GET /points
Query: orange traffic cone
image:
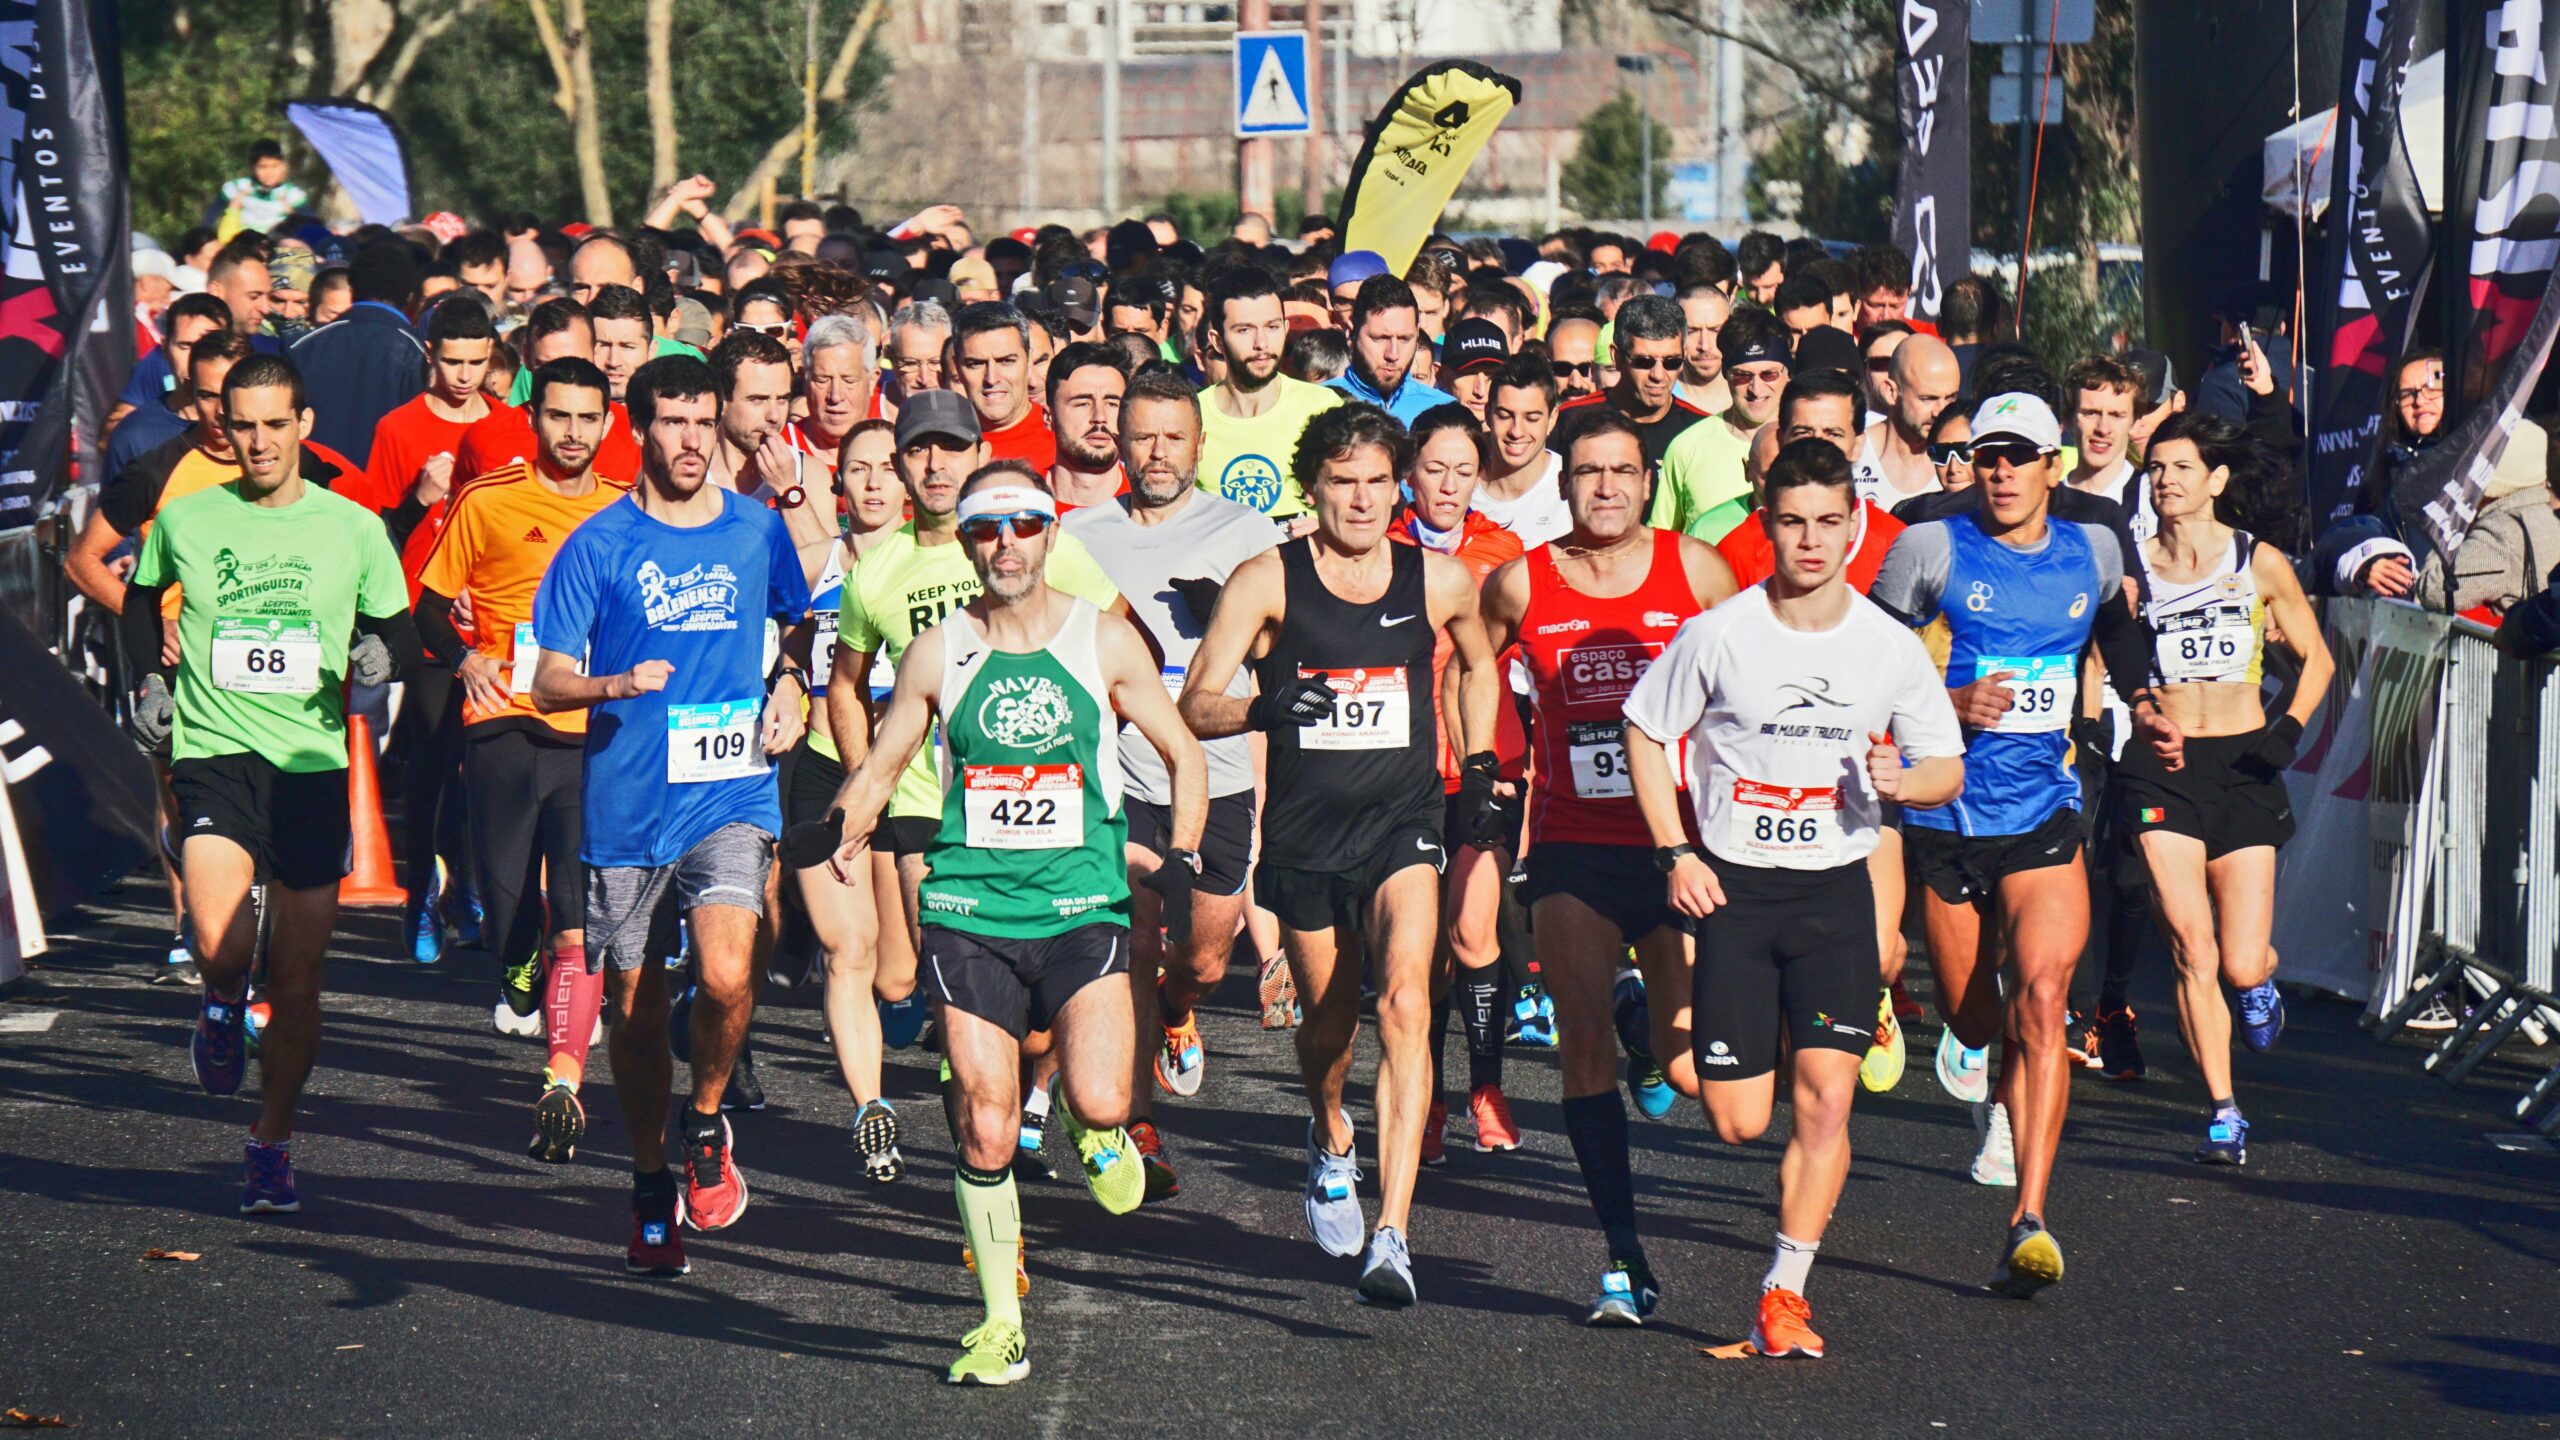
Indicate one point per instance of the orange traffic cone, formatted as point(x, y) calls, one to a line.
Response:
point(374, 880)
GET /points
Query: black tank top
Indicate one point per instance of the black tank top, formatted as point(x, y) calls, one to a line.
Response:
point(1340, 789)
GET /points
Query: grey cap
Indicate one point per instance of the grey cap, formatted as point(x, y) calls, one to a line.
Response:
point(693, 323)
point(945, 413)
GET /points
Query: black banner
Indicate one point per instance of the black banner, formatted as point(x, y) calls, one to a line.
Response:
point(86, 804)
point(1933, 205)
point(66, 284)
point(2502, 223)
point(2380, 247)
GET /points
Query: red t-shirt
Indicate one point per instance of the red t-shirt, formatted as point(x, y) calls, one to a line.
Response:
point(1746, 549)
point(402, 441)
point(505, 436)
point(1585, 654)
point(1483, 547)
point(1027, 439)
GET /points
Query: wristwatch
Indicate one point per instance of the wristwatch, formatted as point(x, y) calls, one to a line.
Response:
point(1666, 858)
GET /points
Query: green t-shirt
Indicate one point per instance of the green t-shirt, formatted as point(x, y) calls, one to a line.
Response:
point(903, 589)
point(270, 601)
point(1248, 461)
point(1703, 472)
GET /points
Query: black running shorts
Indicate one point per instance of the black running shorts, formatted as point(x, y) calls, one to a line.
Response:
point(294, 824)
point(1339, 899)
point(1618, 882)
point(1964, 868)
point(1226, 841)
point(1789, 952)
point(2218, 798)
point(1020, 985)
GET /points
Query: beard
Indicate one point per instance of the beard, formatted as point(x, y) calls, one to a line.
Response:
point(1071, 449)
point(1010, 589)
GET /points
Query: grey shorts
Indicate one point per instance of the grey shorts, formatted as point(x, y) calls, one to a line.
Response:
point(631, 909)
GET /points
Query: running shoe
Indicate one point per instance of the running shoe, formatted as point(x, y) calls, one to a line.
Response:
point(1112, 1170)
point(1435, 1134)
point(1785, 1326)
point(467, 919)
point(2226, 1141)
point(1629, 1012)
point(2261, 1016)
point(559, 1123)
point(744, 1091)
point(426, 930)
point(1333, 1198)
point(2031, 1262)
point(1027, 1158)
point(1628, 1293)
point(1881, 1068)
point(1386, 1277)
point(715, 1194)
point(901, 1021)
point(181, 969)
point(218, 1047)
point(2080, 1040)
point(1905, 1009)
point(875, 1134)
point(992, 1354)
point(1279, 994)
point(270, 1185)
point(1494, 1130)
point(1533, 1019)
point(1180, 1062)
point(1963, 1070)
point(2439, 1015)
point(1021, 1272)
point(656, 1248)
point(520, 986)
point(680, 1026)
point(253, 1020)
point(2120, 1045)
point(1996, 1163)
point(1652, 1088)
point(1162, 1184)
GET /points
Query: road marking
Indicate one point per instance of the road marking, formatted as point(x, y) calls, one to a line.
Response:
point(28, 1022)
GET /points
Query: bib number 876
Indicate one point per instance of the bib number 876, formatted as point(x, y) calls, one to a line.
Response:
point(1781, 830)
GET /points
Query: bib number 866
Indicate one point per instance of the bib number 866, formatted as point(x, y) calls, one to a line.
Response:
point(1783, 830)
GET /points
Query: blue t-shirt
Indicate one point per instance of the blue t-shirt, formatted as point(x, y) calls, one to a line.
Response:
point(150, 426)
point(151, 379)
point(2025, 613)
point(1407, 405)
point(665, 770)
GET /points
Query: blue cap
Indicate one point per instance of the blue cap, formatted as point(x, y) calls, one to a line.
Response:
point(1354, 266)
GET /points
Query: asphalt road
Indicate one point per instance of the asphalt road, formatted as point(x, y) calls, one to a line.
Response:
point(2381, 1266)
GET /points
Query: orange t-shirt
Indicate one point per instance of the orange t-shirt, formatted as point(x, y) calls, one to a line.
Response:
point(1027, 439)
point(1483, 547)
point(499, 535)
point(1746, 549)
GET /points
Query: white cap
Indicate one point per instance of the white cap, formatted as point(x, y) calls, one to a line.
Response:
point(1542, 274)
point(188, 279)
point(155, 264)
point(2018, 417)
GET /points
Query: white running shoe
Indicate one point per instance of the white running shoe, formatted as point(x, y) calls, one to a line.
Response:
point(1996, 1164)
point(511, 1023)
point(1963, 1070)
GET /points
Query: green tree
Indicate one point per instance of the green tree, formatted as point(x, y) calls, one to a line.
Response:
point(1828, 198)
point(197, 95)
point(1605, 176)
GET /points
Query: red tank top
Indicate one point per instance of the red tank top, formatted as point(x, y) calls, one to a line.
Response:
point(1584, 655)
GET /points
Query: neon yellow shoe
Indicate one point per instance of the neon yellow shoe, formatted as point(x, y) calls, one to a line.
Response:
point(1881, 1069)
point(1112, 1167)
point(992, 1354)
point(2032, 1262)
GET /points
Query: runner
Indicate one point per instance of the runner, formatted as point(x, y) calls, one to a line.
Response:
point(839, 385)
point(1385, 325)
point(1646, 343)
point(1591, 611)
point(1352, 839)
point(756, 456)
point(519, 765)
point(1029, 889)
point(1701, 489)
point(2023, 594)
point(1892, 463)
point(1171, 549)
point(1799, 703)
point(663, 598)
point(279, 578)
point(991, 364)
point(1086, 391)
point(2209, 813)
point(1704, 309)
point(1253, 416)
point(1520, 490)
point(2103, 392)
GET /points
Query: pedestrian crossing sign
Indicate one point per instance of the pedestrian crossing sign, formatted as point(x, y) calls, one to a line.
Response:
point(1271, 83)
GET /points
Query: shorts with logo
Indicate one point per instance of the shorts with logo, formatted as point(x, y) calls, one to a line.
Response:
point(631, 909)
point(1507, 810)
point(1226, 841)
point(1789, 952)
point(2220, 797)
point(1020, 984)
point(1966, 868)
point(1618, 882)
point(1321, 899)
point(293, 824)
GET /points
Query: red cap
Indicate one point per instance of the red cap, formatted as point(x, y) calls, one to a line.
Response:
point(1664, 241)
point(1025, 233)
point(576, 229)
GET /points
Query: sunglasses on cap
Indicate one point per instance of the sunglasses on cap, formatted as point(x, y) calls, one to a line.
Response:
point(777, 329)
point(983, 529)
point(1567, 369)
point(1951, 452)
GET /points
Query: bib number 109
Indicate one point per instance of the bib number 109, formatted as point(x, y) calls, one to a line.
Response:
point(713, 742)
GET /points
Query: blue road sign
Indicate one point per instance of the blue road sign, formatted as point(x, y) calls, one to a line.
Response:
point(1271, 83)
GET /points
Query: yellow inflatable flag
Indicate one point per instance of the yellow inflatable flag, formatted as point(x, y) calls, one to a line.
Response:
point(1417, 151)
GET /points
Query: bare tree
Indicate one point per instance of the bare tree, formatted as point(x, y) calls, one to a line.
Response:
point(831, 99)
point(662, 96)
point(565, 44)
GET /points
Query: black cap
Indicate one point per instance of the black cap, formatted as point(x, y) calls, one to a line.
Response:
point(1473, 343)
point(1075, 296)
point(943, 413)
point(883, 265)
point(1826, 348)
point(936, 289)
point(1758, 345)
point(2159, 377)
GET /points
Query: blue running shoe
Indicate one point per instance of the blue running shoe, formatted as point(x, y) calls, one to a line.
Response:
point(1633, 1016)
point(468, 919)
point(220, 1047)
point(270, 1187)
point(1533, 1019)
point(680, 1027)
point(1386, 1277)
point(2226, 1141)
point(426, 931)
point(1628, 1294)
point(902, 1021)
point(1650, 1086)
point(2261, 1016)
point(1333, 1203)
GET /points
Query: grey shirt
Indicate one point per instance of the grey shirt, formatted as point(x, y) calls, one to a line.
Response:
point(1913, 579)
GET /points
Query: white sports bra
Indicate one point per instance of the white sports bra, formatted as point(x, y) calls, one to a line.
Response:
point(2212, 631)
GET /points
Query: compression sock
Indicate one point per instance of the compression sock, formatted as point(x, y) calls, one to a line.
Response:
point(991, 1216)
point(2226, 1108)
point(1597, 1125)
point(569, 1011)
point(1792, 1263)
point(1478, 994)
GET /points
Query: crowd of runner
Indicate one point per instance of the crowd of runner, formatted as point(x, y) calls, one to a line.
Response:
point(1605, 641)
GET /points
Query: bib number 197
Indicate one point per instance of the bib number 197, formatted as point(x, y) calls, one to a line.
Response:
point(1372, 710)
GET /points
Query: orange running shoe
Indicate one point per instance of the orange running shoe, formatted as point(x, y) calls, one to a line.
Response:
point(1278, 993)
point(1435, 1121)
point(1494, 1130)
point(1161, 1184)
point(1786, 1326)
point(1021, 1272)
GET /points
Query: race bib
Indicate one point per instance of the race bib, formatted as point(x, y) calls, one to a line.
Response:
point(1786, 825)
point(822, 650)
point(1174, 675)
point(520, 677)
point(716, 741)
point(1597, 752)
point(266, 654)
point(1373, 710)
point(2042, 687)
point(1023, 807)
point(2202, 645)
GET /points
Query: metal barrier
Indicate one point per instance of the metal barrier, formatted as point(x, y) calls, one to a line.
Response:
point(2487, 909)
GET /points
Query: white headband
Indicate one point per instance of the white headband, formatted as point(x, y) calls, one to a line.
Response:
point(1004, 500)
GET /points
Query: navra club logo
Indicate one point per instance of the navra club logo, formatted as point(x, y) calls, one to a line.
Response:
point(1026, 712)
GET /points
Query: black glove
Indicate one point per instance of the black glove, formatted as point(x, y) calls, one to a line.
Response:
point(154, 712)
point(2275, 747)
point(1479, 814)
point(2096, 735)
point(1200, 594)
point(1296, 702)
point(1173, 880)
point(811, 841)
point(369, 661)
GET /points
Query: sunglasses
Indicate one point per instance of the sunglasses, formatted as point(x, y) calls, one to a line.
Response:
point(1953, 452)
point(1879, 364)
point(2015, 454)
point(1647, 364)
point(983, 529)
point(1566, 369)
point(777, 329)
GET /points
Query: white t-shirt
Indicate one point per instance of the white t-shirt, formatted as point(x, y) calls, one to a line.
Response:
point(1206, 539)
point(2123, 484)
point(1777, 722)
point(1538, 514)
point(1876, 487)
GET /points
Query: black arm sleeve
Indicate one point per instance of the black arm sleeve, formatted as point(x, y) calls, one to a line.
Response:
point(2124, 646)
point(399, 632)
point(403, 518)
point(435, 628)
point(140, 627)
